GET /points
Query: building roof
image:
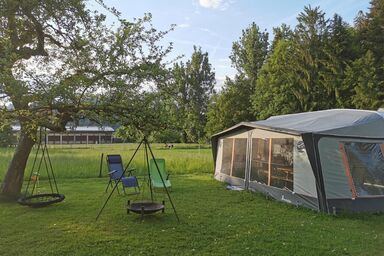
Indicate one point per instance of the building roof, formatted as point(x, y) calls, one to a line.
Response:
point(90, 129)
point(342, 122)
point(79, 128)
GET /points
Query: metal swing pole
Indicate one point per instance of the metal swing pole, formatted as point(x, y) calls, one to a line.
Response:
point(118, 181)
point(147, 160)
point(162, 180)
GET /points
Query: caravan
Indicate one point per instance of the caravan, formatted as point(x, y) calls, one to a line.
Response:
point(331, 160)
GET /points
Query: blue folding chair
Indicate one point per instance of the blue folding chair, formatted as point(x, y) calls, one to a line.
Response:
point(116, 171)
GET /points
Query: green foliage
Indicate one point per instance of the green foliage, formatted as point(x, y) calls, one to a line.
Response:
point(128, 134)
point(217, 117)
point(60, 62)
point(192, 86)
point(366, 74)
point(339, 52)
point(308, 38)
point(248, 54)
point(274, 92)
point(233, 104)
point(7, 136)
point(167, 136)
point(84, 67)
point(370, 32)
point(368, 88)
point(322, 64)
point(230, 106)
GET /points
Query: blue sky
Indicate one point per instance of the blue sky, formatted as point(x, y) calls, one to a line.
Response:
point(216, 24)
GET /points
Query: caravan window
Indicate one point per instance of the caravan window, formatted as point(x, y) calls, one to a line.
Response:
point(282, 163)
point(239, 158)
point(365, 162)
point(272, 162)
point(259, 161)
point(227, 156)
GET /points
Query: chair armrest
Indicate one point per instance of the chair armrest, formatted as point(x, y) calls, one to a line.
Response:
point(112, 172)
point(168, 176)
point(130, 171)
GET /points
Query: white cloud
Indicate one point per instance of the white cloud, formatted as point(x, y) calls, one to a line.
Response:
point(216, 4)
point(184, 25)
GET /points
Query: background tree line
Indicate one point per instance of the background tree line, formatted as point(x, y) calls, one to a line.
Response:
point(319, 64)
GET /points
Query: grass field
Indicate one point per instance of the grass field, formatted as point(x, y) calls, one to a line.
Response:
point(213, 220)
point(81, 161)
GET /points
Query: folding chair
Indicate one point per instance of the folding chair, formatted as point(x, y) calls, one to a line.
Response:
point(116, 171)
point(155, 176)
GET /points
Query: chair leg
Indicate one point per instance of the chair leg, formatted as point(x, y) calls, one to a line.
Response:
point(117, 188)
point(109, 183)
point(124, 190)
point(142, 213)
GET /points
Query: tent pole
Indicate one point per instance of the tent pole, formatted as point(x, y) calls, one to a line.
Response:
point(269, 162)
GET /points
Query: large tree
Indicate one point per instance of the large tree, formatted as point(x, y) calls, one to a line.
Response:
point(193, 84)
point(234, 101)
point(230, 106)
point(275, 94)
point(249, 52)
point(59, 62)
point(339, 51)
point(362, 77)
point(366, 74)
point(309, 37)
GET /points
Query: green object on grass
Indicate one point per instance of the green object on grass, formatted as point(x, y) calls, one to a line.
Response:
point(155, 174)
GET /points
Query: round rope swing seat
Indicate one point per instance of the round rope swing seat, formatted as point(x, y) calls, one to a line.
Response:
point(145, 207)
point(36, 194)
point(41, 200)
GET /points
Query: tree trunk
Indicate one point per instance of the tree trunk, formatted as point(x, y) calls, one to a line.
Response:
point(13, 181)
point(184, 136)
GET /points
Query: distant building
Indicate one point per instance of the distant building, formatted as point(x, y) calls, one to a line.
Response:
point(79, 135)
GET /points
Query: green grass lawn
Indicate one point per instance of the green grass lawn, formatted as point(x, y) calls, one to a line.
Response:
point(213, 220)
point(82, 161)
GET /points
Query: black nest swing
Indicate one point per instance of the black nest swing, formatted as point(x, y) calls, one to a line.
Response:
point(32, 197)
point(143, 206)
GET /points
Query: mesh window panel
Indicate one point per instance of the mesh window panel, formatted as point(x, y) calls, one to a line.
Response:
point(366, 163)
point(239, 158)
point(282, 163)
point(259, 161)
point(227, 156)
